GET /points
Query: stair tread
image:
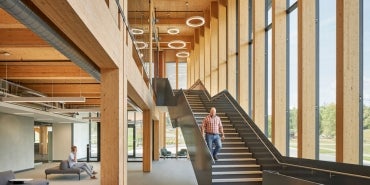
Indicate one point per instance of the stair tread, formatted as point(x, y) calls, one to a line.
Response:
point(238, 180)
point(235, 165)
point(237, 159)
point(241, 147)
point(238, 153)
point(236, 172)
point(233, 142)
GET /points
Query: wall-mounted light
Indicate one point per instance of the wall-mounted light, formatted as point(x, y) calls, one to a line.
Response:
point(195, 21)
point(173, 31)
point(182, 54)
point(177, 44)
point(137, 31)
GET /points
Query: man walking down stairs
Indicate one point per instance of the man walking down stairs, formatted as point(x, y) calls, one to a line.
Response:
point(235, 164)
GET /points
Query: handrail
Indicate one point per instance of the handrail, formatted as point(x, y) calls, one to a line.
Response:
point(226, 94)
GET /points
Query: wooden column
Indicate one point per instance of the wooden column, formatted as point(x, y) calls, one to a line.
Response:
point(243, 55)
point(214, 47)
point(201, 54)
point(259, 64)
point(347, 109)
point(192, 65)
point(231, 47)
point(156, 136)
point(222, 46)
point(306, 80)
point(43, 147)
point(161, 68)
point(279, 76)
point(113, 129)
point(196, 54)
point(207, 52)
point(147, 141)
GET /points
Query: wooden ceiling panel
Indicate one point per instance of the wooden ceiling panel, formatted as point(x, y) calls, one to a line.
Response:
point(31, 54)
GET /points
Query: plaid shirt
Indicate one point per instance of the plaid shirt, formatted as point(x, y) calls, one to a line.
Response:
point(212, 125)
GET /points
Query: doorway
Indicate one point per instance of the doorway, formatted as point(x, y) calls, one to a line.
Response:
point(131, 133)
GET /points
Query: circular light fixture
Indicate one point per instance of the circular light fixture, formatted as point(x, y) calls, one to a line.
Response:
point(177, 44)
point(182, 54)
point(195, 21)
point(173, 31)
point(137, 31)
point(141, 44)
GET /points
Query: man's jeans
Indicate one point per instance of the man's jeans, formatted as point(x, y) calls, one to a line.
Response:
point(213, 138)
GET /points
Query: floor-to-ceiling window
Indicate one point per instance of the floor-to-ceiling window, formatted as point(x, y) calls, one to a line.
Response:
point(327, 79)
point(292, 77)
point(171, 137)
point(183, 65)
point(171, 73)
point(366, 81)
point(269, 67)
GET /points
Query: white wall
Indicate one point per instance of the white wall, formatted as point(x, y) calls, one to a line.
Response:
point(81, 138)
point(16, 142)
point(62, 141)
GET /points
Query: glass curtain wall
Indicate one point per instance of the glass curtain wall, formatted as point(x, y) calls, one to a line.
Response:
point(327, 80)
point(366, 81)
point(183, 65)
point(269, 68)
point(171, 73)
point(292, 79)
point(182, 83)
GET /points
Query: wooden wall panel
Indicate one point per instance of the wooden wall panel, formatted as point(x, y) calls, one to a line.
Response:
point(214, 47)
point(347, 109)
point(306, 80)
point(201, 54)
point(222, 47)
point(231, 47)
point(243, 54)
point(196, 51)
point(207, 58)
point(259, 64)
point(279, 76)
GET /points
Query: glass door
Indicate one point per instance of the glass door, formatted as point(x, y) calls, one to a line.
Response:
point(131, 134)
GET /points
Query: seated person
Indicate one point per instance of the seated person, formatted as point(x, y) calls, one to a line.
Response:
point(72, 160)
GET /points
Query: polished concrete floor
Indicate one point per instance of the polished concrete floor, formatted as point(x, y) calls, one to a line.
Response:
point(164, 172)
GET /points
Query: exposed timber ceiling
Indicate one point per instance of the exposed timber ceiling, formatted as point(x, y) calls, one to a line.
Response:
point(28, 60)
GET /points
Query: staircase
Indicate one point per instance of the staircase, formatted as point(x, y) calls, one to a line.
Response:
point(235, 164)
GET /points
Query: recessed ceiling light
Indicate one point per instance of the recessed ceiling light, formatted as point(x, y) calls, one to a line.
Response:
point(173, 31)
point(137, 31)
point(182, 54)
point(195, 21)
point(177, 44)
